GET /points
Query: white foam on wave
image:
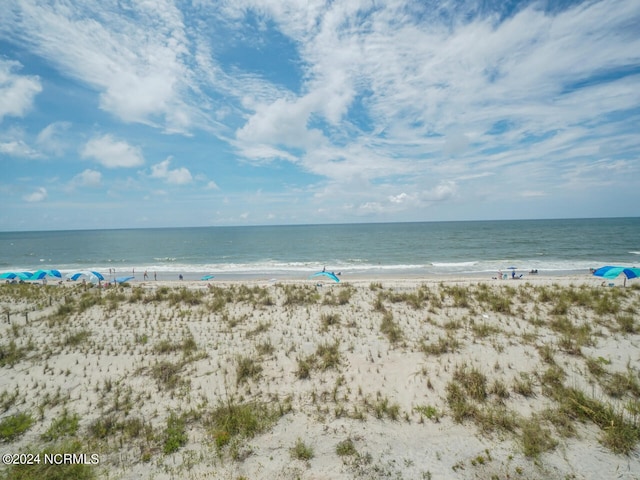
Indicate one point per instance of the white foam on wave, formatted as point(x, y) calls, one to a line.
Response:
point(453, 264)
point(353, 266)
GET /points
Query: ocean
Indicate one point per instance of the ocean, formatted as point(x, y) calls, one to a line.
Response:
point(412, 249)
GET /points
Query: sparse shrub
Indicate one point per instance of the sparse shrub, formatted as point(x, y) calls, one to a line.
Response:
point(15, 426)
point(75, 339)
point(11, 354)
point(457, 401)
point(328, 320)
point(390, 328)
point(260, 328)
point(328, 355)
point(247, 368)
point(305, 367)
point(523, 385)
point(65, 426)
point(167, 374)
point(7, 400)
point(595, 366)
point(175, 434)
point(472, 380)
point(535, 438)
point(241, 420)
point(105, 426)
point(428, 411)
point(301, 451)
point(300, 295)
point(265, 348)
point(627, 323)
point(448, 344)
point(383, 407)
point(346, 448)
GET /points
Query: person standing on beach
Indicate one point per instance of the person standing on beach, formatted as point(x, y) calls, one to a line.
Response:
point(155, 276)
point(145, 275)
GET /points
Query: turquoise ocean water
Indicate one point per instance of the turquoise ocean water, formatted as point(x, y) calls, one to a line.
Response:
point(430, 248)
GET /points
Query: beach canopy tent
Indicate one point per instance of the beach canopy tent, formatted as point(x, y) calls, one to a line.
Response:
point(19, 275)
point(207, 277)
point(89, 273)
point(123, 279)
point(330, 275)
point(613, 272)
point(40, 274)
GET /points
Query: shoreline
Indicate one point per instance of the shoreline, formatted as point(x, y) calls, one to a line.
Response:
point(194, 279)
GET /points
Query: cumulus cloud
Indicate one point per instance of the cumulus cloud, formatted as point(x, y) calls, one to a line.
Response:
point(112, 153)
point(50, 138)
point(177, 176)
point(36, 196)
point(17, 92)
point(87, 178)
point(18, 148)
point(441, 192)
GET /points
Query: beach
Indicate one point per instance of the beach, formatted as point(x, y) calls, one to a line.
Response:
point(379, 377)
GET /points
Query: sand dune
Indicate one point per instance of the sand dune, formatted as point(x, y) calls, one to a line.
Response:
point(375, 378)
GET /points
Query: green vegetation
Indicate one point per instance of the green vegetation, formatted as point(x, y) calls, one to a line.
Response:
point(63, 471)
point(65, 426)
point(121, 343)
point(15, 426)
point(233, 420)
point(301, 451)
point(247, 368)
point(11, 354)
point(390, 328)
point(175, 435)
point(346, 448)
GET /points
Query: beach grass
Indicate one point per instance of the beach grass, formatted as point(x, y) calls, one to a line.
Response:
point(163, 376)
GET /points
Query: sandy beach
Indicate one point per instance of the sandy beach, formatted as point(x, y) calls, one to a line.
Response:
point(411, 378)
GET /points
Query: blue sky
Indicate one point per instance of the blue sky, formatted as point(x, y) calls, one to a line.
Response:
point(118, 113)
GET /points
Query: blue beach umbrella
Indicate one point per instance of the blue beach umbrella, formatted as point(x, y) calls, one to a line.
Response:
point(89, 273)
point(40, 274)
point(20, 275)
point(331, 275)
point(613, 272)
point(54, 273)
point(207, 277)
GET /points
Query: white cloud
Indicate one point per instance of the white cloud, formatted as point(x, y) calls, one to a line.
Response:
point(384, 107)
point(49, 139)
point(18, 148)
point(135, 60)
point(177, 176)
point(37, 196)
point(211, 185)
point(112, 153)
point(87, 178)
point(400, 198)
point(17, 92)
point(441, 192)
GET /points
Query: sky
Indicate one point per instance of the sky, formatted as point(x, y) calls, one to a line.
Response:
point(172, 113)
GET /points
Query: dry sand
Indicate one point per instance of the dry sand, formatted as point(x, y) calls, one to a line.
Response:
point(385, 378)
